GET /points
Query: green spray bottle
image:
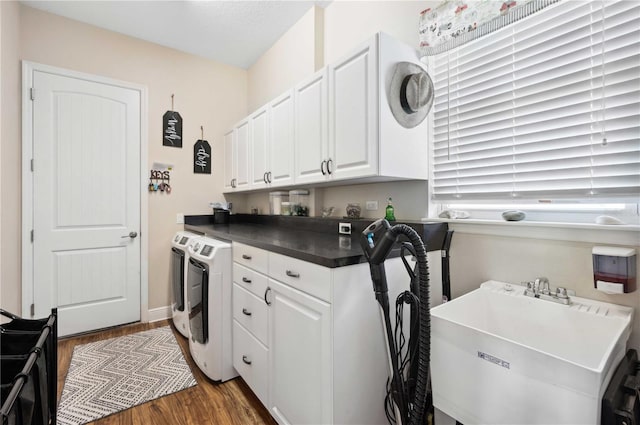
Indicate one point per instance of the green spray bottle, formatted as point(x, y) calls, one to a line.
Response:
point(389, 213)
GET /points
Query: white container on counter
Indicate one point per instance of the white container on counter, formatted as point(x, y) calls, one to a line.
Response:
point(275, 202)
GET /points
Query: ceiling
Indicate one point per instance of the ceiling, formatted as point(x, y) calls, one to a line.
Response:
point(235, 32)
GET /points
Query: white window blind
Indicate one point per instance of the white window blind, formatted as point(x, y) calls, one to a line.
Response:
point(548, 107)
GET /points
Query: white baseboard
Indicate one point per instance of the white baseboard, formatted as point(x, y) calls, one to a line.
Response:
point(160, 313)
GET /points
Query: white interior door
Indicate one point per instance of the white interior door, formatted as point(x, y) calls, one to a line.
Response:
point(86, 202)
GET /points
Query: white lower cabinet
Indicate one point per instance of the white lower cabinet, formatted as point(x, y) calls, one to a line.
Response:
point(323, 360)
point(300, 356)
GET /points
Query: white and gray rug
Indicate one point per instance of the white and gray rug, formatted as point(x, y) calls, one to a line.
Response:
point(109, 376)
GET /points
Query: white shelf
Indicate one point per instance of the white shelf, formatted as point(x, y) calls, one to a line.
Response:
point(625, 234)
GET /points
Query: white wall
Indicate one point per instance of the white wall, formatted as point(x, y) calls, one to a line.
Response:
point(207, 93)
point(278, 69)
point(10, 143)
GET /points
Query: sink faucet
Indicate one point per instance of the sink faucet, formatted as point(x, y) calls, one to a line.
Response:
point(543, 285)
point(540, 288)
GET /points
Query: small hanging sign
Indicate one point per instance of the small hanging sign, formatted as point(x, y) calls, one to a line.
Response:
point(172, 128)
point(202, 156)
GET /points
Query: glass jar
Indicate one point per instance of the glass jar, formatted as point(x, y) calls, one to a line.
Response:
point(275, 202)
point(299, 200)
point(285, 208)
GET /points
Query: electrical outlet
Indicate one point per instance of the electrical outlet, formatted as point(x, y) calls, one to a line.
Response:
point(372, 205)
point(344, 228)
point(179, 218)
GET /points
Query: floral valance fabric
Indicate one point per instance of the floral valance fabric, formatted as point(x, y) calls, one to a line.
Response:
point(455, 22)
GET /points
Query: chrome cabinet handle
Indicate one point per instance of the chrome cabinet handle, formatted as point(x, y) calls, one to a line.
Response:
point(246, 257)
point(265, 295)
point(322, 164)
point(131, 235)
point(264, 177)
point(246, 280)
point(329, 170)
point(246, 312)
point(246, 360)
point(269, 175)
point(292, 274)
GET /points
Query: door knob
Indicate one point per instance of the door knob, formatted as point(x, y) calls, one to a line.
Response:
point(131, 235)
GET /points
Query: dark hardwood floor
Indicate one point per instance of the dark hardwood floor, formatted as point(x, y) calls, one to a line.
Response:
point(209, 402)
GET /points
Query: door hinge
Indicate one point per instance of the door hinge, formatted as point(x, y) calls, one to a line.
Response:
point(33, 310)
point(32, 165)
point(32, 93)
point(32, 235)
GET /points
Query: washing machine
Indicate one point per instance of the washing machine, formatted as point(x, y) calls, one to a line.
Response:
point(209, 284)
point(179, 263)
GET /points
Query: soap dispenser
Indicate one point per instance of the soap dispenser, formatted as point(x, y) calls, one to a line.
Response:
point(389, 213)
point(614, 269)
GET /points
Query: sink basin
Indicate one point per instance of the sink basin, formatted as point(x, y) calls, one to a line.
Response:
point(500, 357)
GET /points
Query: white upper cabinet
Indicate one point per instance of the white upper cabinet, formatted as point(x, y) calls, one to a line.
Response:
point(230, 160)
point(311, 129)
point(337, 125)
point(259, 148)
point(282, 149)
point(236, 158)
point(242, 149)
point(271, 144)
point(353, 114)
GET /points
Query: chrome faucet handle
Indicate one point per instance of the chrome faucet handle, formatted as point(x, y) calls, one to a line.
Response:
point(543, 285)
point(561, 292)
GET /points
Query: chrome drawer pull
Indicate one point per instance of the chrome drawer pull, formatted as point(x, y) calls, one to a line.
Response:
point(246, 360)
point(265, 295)
point(292, 274)
point(246, 312)
point(246, 280)
point(246, 257)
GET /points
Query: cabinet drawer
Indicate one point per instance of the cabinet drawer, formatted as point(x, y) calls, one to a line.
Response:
point(250, 280)
point(251, 312)
point(250, 358)
point(252, 257)
point(307, 277)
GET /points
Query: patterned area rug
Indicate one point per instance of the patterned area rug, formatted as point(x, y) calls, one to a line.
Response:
point(109, 376)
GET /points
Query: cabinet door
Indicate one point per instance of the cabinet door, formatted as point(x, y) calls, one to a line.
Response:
point(259, 147)
point(311, 129)
point(230, 158)
point(282, 147)
point(299, 357)
point(242, 161)
point(353, 114)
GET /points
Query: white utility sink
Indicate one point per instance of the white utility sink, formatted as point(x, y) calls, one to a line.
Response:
point(500, 357)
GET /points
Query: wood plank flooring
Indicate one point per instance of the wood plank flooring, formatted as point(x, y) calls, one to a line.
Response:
point(209, 402)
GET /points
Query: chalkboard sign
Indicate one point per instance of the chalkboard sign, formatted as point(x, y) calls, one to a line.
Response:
point(172, 129)
point(202, 157)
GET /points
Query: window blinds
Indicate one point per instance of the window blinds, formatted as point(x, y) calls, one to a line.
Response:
point(548, 107)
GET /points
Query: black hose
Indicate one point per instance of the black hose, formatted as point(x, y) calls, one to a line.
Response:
point(416, 414)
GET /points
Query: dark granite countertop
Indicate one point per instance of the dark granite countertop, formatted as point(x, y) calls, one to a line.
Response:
point(309, 239)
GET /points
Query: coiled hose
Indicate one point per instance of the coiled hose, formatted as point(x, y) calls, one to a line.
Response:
point(416, 414)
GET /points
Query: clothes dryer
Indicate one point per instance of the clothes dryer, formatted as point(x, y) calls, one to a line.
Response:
point(209, 284)
point(179, 263)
